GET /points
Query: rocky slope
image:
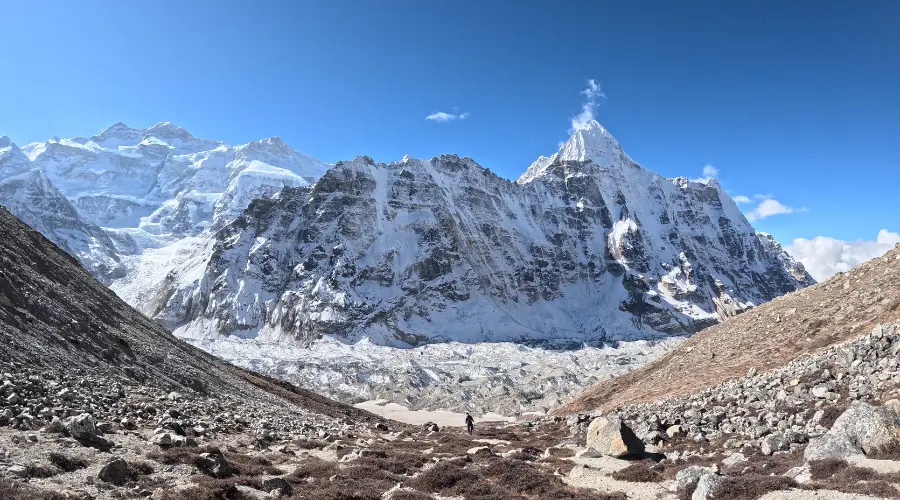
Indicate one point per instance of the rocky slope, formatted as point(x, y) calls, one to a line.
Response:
point(587, 245)
point(55, 318)
point(765, 338)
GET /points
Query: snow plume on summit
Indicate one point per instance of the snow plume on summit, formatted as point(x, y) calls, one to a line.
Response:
point(592, 97)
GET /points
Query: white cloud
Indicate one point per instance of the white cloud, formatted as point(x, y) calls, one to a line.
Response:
point(742, 200)
point(709, 172)
point(767, 207)
point(824, 257)
point(593, 94)
point(442, 117)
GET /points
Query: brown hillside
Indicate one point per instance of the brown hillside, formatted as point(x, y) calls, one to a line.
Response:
point(764, 338)
point(56, 316)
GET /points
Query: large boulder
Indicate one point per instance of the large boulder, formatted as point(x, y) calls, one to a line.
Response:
point(686, 479)
point(707, 487)
point(609, 435)
point(860, 429)
point(83, 427)
point(115, 472)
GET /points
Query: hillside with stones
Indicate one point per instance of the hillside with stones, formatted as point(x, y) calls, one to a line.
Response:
point(762, 339)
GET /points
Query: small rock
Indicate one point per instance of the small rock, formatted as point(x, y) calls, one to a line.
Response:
point(772, 443)
point(17, 471)
point(215, 465)
point(480, 452)
point(381, 426)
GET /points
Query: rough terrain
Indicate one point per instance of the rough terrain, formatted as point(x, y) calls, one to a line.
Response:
point(763, 338)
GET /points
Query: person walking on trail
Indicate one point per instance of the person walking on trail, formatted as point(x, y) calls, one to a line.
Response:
point(470, 423)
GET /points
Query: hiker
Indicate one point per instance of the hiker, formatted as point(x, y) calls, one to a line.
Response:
point(470, 422)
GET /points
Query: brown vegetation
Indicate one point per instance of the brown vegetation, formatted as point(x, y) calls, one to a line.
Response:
point(766, 337)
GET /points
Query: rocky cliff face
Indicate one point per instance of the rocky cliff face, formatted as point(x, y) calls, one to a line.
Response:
point(586, 245)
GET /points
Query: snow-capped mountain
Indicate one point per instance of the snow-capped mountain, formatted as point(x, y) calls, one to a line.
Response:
point(586, 245)
point(164, 180)
point(27, 192)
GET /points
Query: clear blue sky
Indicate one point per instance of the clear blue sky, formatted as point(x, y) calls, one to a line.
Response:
point(800, 100)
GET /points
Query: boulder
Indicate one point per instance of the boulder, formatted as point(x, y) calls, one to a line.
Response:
point(772, 443)
point(688, 477)
point(707, 486)
point(735, 459)
point(215, 465)
point(860, 429)
point(115, 472)
point(609, 435)
point(83, 427)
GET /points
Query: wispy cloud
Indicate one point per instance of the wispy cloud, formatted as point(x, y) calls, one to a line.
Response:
point(442, 117)
point(742, 200)
point(824, 257)
point(709, 172)
point(767, 207)
point(592, 97)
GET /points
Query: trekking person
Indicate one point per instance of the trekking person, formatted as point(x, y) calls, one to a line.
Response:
point(470, 423)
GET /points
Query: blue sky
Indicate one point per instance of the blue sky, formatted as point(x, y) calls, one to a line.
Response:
point(796, 100)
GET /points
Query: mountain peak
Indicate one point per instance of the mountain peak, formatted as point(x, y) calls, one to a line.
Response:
point(591, 142)
point(6, 142)
point(167, 129)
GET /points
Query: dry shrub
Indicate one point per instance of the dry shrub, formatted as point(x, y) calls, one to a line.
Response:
point(248, 465)
point(310, 444)
point(887, 452)
point(209, 488)
point(403, 462)
point(312, 467)
point(67, 463)
point(181, 455)
point(491, 432)
point(643, 471)
point(444, 476)
point(559, 452)
point(343, 487)
point(139, 468)
point(408, 494)
point(831, 413)
point(39, 470)
point(12, 490)
point(454, 444)
point(751, 486)
point(531, 481)
point(776, 464)
point(824, 469)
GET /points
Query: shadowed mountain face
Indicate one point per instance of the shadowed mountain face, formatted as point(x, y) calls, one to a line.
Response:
point(54, 316)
